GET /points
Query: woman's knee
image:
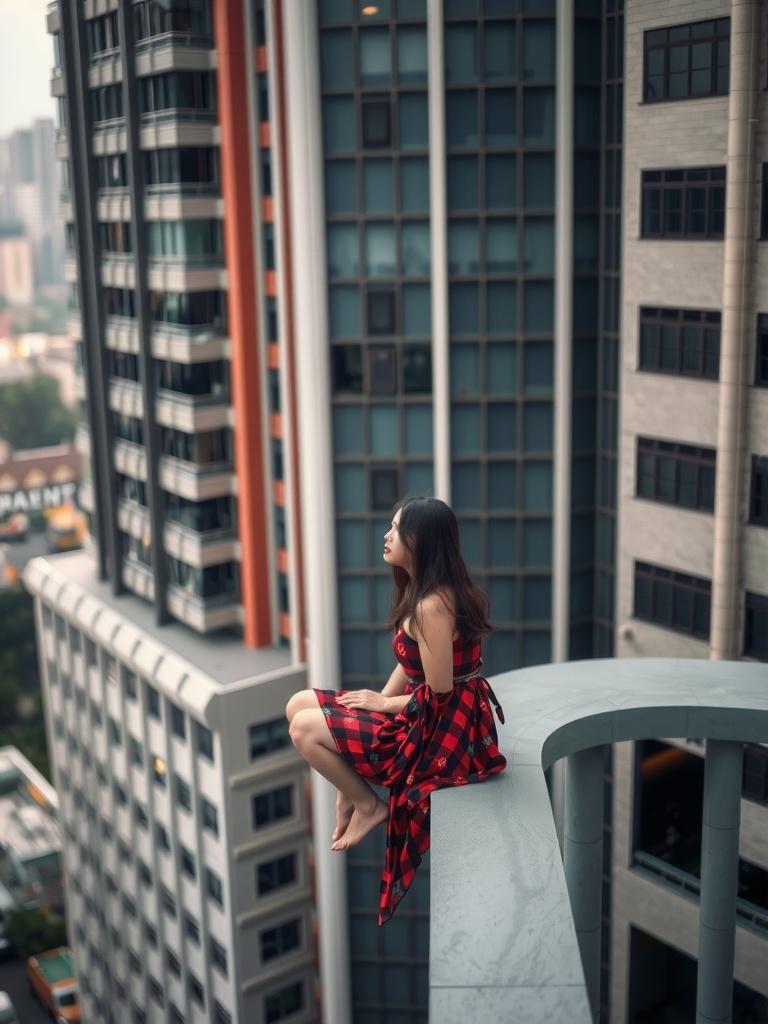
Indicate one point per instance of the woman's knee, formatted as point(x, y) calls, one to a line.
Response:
point(300, 700)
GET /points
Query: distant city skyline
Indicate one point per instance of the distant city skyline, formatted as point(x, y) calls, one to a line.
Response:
point(26, 59)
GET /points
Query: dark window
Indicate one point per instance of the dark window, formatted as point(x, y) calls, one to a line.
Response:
point(758, 500)
point(281, 939)
point(381, 311)
point(220, 1015)
point(187, 862)
point(678, 474)
point(161, 837)
point(687, 61)
point(683, 203)
point(417, 369)
point(348, 368)
point(210, 816)
point(195, 989)
point(156, 17)
point(178, 722)
point(168, 901)
point(685, 342)
point(153, 700)
point(761, 369)
point(377, 122)
point(178, 90)
point(204, 741)
point(106, 102)
point(284, 1002)
point(274, 874)
point(191, 928)
point(674, 600)
point(756, 626)
point(385, 487)
point(172, 962)
point(382, 371)
point(183, 792)
point(272, 806)
point(219, 956)
point(754, 785)
point(213, 887)
point(268, 736)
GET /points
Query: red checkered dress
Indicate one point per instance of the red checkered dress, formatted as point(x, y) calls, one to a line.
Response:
point(437, 740)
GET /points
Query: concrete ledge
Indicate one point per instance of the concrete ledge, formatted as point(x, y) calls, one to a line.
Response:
point(503, 945)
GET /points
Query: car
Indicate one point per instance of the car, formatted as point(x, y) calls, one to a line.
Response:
point(15, 527)
point(51, 978)
point(8, 1013)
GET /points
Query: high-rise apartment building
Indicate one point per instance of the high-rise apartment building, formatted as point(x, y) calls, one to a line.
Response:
point(324, 253)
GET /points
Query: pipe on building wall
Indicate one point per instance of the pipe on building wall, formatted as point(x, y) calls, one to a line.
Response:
point(737, 329)
point(307, 211)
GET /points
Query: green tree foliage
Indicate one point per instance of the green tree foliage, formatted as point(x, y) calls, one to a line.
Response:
point(33, 415)
point(33, 931)
point(19, 678)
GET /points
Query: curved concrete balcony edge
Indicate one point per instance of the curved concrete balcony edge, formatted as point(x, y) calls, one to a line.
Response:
point(503, 943)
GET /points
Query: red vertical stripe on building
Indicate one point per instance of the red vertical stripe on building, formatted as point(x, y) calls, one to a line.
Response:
point(232, 92)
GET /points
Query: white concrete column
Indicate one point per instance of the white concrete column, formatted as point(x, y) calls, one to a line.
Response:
point(737, 329)
point(561, 490)
point(441, 392)
point(307, 209)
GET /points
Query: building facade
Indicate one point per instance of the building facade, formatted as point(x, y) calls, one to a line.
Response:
point(323, 255)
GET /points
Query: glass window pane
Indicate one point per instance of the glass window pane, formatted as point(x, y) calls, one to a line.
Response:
point(502, 369)
point(465, 429)
point(347, 429)
point(350, 488)
point(466, 490)
point(537, 486)
point(500, 117)
point(539, 50)
point(465, 370)
point(419, 479)
point(539, 246)
point(502, 427)
point(375, 56)
point(336, 59)
point(353, 599)
point(537, 427)
point(502, 542)
point(539, 180)
point(412, 54)
point(415, 254)
point(414, 185)
point(344, 311)
point(463, 247)
point(339, 124)
point(461, 53)
point(538, 368)
point(462, 183)
point(414, 125)
point(501, 246)
point(536, 598)
point(500, 43)
point(417, 369)
point(380, 250)
point(335, 10)
point(418, 429)
point(539, 117)
point(343, 247)
point(378, 186)
point(501, 590)
point(539, 305)
point(502, 307)
point(340, 186)
point(461, 119)
point(502, 485)
point(417, 315)
point(464, 309)
point(471, 540)
point(355, 651)
point(384, 430)
point(350, 544)
point(500, 181)
point(585, 245)
point(586, 117)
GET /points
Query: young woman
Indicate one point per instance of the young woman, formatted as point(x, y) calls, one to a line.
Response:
point(432, 725)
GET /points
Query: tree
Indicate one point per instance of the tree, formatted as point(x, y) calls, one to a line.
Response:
point(35, 931)
point(32, 414)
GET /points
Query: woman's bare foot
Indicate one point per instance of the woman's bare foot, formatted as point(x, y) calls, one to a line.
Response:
point(361, 823)
point(344, 809)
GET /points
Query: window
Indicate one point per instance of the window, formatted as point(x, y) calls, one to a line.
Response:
point(685, 342)
point(159, 771)
point(187, 861)
point(161, 837)
point(377, 122)
point(273, 874)
point(191, 928)
point(137, 753)
point(683, 203)
point(145, 874)
point(178, 722)
point(156, 991)
point(761, 369)
point(168, 901)
point(281, 939)
point(213, 887)
point(140, 815)
point(283, 1002)
point(219, 956)
point(754, 785)
point(756, 626)
point(671, 599)
point(268, 736)
point(153, 700)
point(183, 792)
point(204, 741)
point(272, 806)
point(172, 962)
point(220, 1015)
point(758, 500)
point(209, 815)
point(195, 989)
point(381, 311)
point(687, 61)
point(129, 684)
point(678, 474)
point(150, 933)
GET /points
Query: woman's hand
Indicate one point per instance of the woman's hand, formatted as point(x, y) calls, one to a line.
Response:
point(367, 700)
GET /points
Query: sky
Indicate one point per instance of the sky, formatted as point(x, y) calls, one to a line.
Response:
point(26, 60)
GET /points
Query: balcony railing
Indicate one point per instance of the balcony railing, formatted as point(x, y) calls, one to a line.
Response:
point(514, 928)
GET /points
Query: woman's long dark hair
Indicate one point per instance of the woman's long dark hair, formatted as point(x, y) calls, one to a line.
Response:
point(430, 533)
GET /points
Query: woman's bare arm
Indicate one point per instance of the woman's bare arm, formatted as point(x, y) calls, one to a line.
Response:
point(393, 691)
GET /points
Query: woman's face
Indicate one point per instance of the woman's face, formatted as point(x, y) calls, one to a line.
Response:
point(394, 550)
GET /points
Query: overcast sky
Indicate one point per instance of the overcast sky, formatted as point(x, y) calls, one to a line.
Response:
point(26, 59)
